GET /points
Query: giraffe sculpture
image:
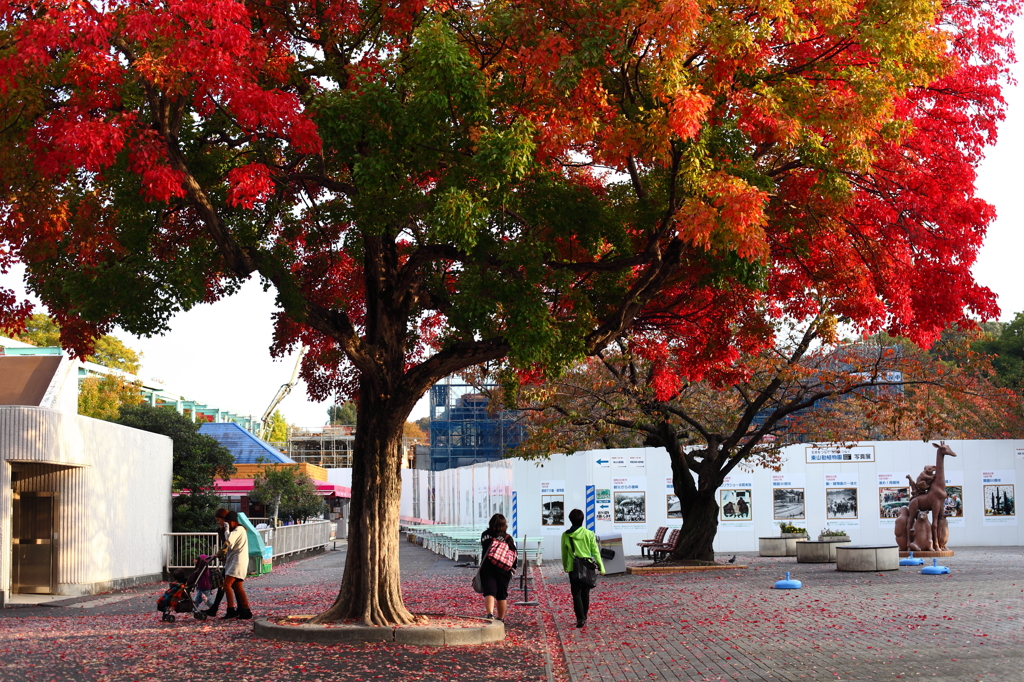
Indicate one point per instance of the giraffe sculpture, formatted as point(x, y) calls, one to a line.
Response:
point(933, 500)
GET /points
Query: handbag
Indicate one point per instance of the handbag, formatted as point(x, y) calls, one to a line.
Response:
point(216, 578)
point(478, 583)
point(501, 555)
point(584, 569)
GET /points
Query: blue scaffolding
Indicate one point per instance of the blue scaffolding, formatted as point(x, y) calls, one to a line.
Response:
point(463, 431)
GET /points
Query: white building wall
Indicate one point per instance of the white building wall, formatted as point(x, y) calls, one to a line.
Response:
point(115, 501)
point(342, 477)
point(464, 496)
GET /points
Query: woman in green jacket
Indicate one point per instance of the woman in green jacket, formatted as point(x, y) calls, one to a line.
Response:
point(585, 544)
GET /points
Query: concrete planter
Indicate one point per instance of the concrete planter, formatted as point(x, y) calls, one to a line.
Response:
point(833, 538)
point(821, 551)
point(867, 558)
point(784, 545)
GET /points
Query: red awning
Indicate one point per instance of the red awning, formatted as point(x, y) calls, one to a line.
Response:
point(243, 486)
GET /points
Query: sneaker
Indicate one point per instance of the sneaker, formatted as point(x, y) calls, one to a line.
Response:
point(580, 622)
point(490, 615)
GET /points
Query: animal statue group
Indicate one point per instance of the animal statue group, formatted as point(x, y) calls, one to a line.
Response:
point(914, 531)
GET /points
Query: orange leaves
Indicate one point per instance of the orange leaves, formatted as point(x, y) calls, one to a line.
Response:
point(688, 112)
point(731, 217)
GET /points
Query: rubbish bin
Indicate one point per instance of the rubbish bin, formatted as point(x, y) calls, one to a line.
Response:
point(612, 555)
point(267, 564)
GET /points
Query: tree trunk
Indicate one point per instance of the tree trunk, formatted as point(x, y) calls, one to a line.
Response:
point(371, 588)
point(700, 525)
point(697, 505)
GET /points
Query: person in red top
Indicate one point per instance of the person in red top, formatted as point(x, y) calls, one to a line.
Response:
point(495, 578)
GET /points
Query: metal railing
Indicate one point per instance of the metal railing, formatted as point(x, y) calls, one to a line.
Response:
point(182, 549)
point(287, 540)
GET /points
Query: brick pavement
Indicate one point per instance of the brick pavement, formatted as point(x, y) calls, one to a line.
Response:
point(125, 640)
point(730, 625)
point(702, 627)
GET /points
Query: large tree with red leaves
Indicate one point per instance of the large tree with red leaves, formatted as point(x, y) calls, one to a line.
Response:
point(432, 185)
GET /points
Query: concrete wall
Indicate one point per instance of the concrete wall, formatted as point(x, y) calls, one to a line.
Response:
point(467, 495)
point(114, 484)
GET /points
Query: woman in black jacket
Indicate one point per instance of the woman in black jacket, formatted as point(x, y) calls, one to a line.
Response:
point(495, 578)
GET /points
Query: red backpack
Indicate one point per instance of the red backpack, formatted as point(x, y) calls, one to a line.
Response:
point(501, 555)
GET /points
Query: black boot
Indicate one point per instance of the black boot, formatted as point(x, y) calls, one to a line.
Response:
point(231, 613)
point(244, 614)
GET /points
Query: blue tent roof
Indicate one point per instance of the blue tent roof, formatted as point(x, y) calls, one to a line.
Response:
point(244, 447)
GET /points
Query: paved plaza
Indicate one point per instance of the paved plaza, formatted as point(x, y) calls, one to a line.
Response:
point(722, 625)
point(729, 625)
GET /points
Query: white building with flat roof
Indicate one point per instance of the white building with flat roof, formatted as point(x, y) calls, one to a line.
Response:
point(84, 503)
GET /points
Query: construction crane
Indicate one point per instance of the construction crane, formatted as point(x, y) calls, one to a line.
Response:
point(282, 393)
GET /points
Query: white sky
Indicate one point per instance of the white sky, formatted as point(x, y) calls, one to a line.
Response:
point(219, 354)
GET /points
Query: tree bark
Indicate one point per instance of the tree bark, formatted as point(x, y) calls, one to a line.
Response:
point(700, 525)
point(371, 589)
point(697, 504)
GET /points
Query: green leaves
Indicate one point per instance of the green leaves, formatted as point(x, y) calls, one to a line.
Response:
point(287, 492)
point(457, 217)
point(445, 82)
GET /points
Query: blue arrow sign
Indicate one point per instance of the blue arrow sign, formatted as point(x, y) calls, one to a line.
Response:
point(602, 461)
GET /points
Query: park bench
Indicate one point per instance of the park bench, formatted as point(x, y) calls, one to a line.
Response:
point(664, 549)
point(658, 539)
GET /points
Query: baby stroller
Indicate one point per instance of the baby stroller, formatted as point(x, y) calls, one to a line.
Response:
point(178, 598)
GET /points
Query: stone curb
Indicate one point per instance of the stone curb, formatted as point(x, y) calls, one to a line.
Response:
point(488, 631)
point(928, 554)
point(665, 570)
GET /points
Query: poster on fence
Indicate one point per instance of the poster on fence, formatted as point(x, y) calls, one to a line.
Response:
point(955, 499)
point(788, 503)
point(841, 501)
point(735, 502)
point(1000, 502)
point(629, 503)
point(552, 506)
point(673, 510)
point(893, 495)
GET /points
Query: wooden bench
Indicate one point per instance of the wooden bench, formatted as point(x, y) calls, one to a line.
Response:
point(658, 539)
point(664, 549)
point(867, 558)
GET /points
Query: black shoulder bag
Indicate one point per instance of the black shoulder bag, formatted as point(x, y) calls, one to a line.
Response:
point(584, 569)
